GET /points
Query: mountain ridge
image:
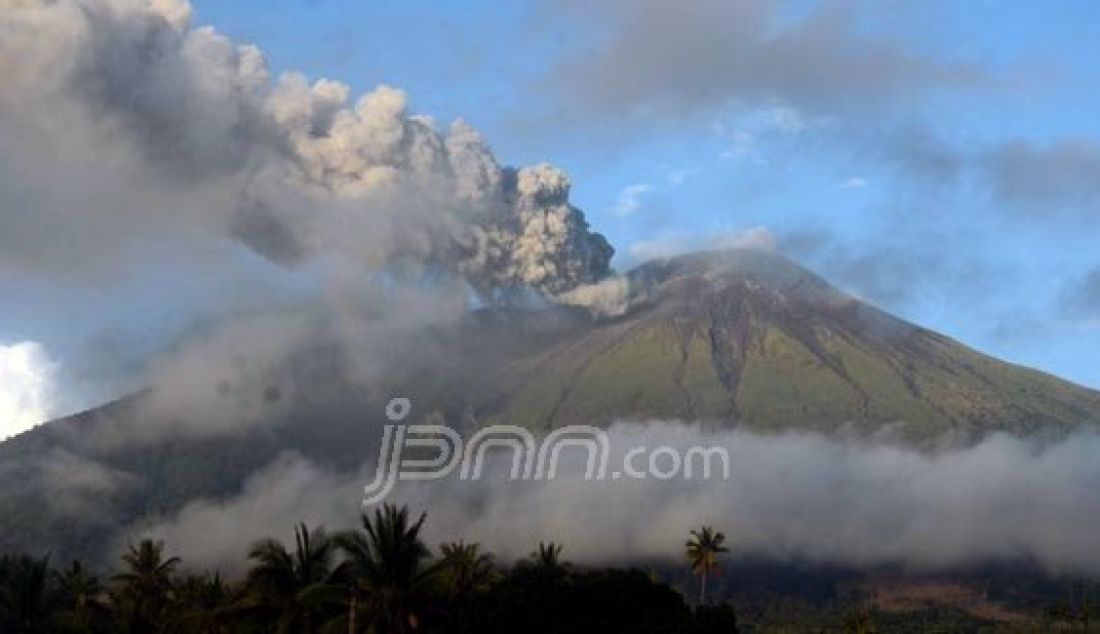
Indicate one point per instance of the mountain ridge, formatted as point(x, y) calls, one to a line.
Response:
point(747, 306)
point(736, 339)
point(752, 338)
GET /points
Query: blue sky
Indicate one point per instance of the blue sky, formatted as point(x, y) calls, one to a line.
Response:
point(891, 200)
point(939, 159)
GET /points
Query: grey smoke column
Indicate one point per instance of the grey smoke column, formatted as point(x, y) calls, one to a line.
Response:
point(292, 169)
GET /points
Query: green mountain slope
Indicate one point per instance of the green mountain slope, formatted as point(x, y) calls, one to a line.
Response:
point(750, 338)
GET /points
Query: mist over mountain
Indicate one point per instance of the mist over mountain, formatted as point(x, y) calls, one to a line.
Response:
point(740, 347)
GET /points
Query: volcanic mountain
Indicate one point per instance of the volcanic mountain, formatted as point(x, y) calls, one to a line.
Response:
point(750, 338)
point(734, 338)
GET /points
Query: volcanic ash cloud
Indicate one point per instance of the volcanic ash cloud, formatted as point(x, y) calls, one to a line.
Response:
point(194, 142)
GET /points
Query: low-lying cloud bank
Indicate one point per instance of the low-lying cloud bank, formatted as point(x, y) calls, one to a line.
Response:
point(793, 497)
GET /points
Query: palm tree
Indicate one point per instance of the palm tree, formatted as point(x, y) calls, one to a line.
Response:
point(547, 557)
point(466, 568)
point(703, 549)
point(26, 599)
point(203, 604)
point(82, 595)
point(292, 592)
point(145, 587)
point(385, 571)
point(1079, 595)
point(858, 620)
point(467, 573)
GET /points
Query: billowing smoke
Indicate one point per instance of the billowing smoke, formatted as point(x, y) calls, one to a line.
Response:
point(609, 297)
point(793, 497)
point(126, 131)
point(262, 369)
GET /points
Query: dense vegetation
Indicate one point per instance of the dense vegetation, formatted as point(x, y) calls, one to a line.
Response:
point(382, 578)
point(379, 578)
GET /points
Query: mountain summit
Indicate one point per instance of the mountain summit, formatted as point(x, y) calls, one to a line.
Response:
point(750, 338)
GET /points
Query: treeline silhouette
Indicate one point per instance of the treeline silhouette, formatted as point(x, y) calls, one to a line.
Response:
point(379, 578)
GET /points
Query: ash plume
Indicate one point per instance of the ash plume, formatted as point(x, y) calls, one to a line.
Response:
point(125, 126)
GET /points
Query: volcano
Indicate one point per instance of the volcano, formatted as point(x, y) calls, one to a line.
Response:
point(750, 338)
point(736, 339)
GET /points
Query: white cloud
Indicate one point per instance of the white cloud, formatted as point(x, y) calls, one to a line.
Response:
point(671, 244)
point(785, 119)
point(677, 177)
point(26, 387)
point(741, 144)
point(630, 199)
point(755, 128)
point(752, 238)
point(853, 182)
